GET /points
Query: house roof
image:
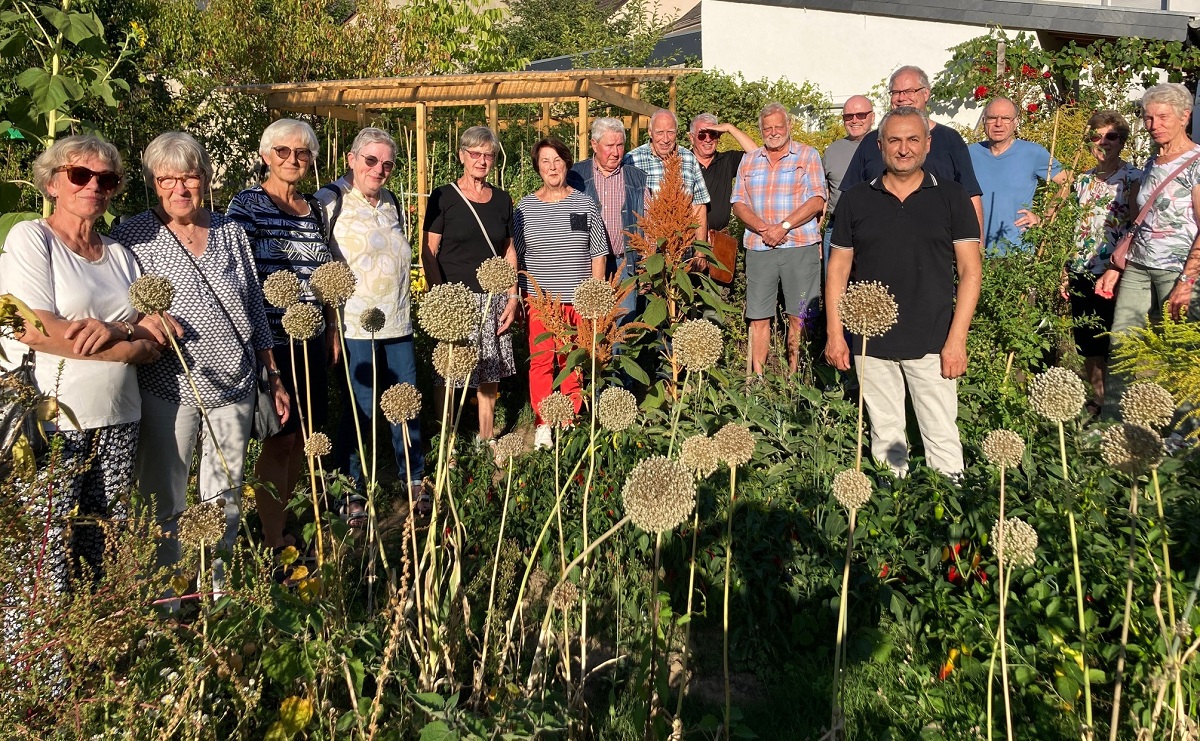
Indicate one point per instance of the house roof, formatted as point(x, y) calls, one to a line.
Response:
point(1088, 21)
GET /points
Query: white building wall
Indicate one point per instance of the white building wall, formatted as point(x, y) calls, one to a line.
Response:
point(844, 54)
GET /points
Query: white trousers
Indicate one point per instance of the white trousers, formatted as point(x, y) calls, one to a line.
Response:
point(934, 399)
point(165, 451)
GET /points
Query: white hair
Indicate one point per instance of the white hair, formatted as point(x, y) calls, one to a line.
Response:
point(288, 128)
point(909, 69)
point(773, 108)
point(1169, 93)
point(372, 135)
point(664, 112)
point(176, 152)
point(607, 125)
point(703, 121)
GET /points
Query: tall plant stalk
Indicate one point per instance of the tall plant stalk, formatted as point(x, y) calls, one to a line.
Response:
point(1118, 686)
point(587, 488)
point(1088, 730)
point(487, 624)
point(725, 601)
point(1001, 631)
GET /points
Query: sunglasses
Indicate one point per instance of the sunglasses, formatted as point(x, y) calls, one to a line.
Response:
point(283, 153)
point(370, 162)
point(81, 176)
point(1111, 136)
point(860, 116)
point(706, 135)
point(487, 156)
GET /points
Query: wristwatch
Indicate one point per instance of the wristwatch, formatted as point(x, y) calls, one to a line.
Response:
point(1187, 279)
point(787, 225)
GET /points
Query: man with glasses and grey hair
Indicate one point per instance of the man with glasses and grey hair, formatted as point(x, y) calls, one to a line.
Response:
point(780, 195)
point(620, 189)
point(650, 159)
point(948, 157)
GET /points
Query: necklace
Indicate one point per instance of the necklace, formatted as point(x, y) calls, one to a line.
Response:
point(189, 237)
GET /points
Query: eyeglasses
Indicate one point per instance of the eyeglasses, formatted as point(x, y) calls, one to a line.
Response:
point(284, 153)
point(907, 93)
point(168, 182)
point(860, 116)
point(487, 156)
point(370, 161)
point(81, 176)
point(1111, 136)
point(707, 136)
point(999, 119)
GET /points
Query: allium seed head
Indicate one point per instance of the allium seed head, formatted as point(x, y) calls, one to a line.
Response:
point(282, 288)
point(735, 444)
point(454, 362)
point(699, 453)
point(152, 294)
point(868, 309)
point(1020, 542)
point(318, 445)
point(659, 494)
point(302, 321)
point(594, 298)
point(333, 283)
point(557, 410)
point(202, 524)
point(1057, 394)
point(372, 319)
point(538, 581)
point(495, 275)
point(1003, 448)
point(1183, 630)
point(509, 446)
point(448, 312)
point(1147, 404)
point(400, 403)
point(1131, 448)
point(852, 489)
point(565, 596)
point(616, 408)
point(697, 344)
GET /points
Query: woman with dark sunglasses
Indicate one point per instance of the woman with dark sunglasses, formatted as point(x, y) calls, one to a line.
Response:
point(77, 283)
point(287, 232)
point(1104, 192)
point(219, 304)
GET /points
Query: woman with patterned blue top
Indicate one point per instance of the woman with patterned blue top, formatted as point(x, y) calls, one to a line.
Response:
point(287, 233)
point(219, 304)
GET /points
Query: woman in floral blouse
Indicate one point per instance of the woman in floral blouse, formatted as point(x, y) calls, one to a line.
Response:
point(1104, 193)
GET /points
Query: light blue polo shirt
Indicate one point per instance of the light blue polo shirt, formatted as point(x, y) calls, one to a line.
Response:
point(1008, 183)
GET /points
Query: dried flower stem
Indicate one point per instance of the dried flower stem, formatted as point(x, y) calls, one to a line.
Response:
point(1115, 720)
point(477, 692)
point(1088, 730)
point(587, 488)
point(1001, 632)
point(725, 599)
point(1166, 544)
point(687, 628)
point(839, 652)
point(416, 552)
point(655, 610)
point(306, 433)
point(858, 446)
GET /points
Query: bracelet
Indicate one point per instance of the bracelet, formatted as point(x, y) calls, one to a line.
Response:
point(274, 373)
point(128, 331)
point(1187, 280)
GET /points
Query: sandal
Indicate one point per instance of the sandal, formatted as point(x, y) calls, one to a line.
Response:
point(353, 509)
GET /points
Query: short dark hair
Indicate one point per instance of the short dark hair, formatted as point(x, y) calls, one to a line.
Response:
point(1100, 119)
point(555, 144)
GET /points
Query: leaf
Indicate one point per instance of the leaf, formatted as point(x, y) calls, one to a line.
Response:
point(438, 731)
point(654, 264)
point(656, 311)
point(630, 367)
point(430, 700)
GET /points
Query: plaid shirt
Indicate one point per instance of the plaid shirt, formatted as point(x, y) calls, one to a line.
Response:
point(774, 191)
point(611, 193)
point(647, 161)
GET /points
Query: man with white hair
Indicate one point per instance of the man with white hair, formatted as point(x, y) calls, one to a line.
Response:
point(620, 189)
point(650, 159)
point(948, 157)
point(780, 195)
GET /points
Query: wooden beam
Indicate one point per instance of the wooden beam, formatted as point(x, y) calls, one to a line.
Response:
point(422, 173)
point(581, 131)
point(544, 124)
point(672, 94)
point(493, 113)
point(634, 123)
point(621, 100)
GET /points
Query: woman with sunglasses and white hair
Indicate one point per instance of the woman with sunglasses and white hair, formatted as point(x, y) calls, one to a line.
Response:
point(286, 232)
point(469, 221)
point(219, 304)
point(77, 283)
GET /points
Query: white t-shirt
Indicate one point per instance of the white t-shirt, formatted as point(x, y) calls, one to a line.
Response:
point(100, 393)
point(370, 238)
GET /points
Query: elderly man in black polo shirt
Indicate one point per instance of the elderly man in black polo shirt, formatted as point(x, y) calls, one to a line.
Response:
point(911, 231)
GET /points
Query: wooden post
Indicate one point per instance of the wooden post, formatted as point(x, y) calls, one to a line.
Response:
point(544, 125)
point(493, 114)
point(362, 115)
point(671, 99)
point(422, 171)
point(581, 130)
point(634, 119)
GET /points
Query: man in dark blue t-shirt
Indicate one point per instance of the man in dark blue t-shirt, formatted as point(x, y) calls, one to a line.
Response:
point(911, 231)
point(948, 157)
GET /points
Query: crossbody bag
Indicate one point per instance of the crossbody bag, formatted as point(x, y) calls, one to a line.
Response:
point(1120, 256)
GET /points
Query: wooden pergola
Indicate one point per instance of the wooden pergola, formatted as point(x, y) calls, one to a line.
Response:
point(357, 100)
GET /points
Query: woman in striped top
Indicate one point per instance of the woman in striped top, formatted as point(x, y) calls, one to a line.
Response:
point(560, 240)
point(286, 233)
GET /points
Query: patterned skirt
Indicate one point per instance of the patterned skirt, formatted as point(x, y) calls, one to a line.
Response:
point(495, 352)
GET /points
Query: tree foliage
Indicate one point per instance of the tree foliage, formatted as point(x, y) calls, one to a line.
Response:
point(587, 30)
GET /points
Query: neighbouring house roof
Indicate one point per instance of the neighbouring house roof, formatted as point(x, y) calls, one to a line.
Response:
point(1085, 21)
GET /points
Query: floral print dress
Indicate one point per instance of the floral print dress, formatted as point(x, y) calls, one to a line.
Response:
point(1164, 239)
point(1105, 217)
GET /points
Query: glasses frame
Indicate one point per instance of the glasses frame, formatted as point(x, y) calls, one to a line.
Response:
point(909, 91)
point(371, 161)
point(999, 119)
point(856, 116)
point(303, 154)
point(106, 180)
point(162, 180)
point(707, 135)
point(475, 156)
point(1095, 137)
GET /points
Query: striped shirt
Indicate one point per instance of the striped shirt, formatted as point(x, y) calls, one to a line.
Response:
point(557, 241)
point(647, 161)
point(774, 191)
point(611, 191)
point(281, 241)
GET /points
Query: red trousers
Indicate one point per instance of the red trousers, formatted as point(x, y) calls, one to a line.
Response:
point(545, 360)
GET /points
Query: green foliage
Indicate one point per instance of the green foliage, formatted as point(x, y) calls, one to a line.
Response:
point(1164, 352)
point(737, 100)
point(586, 30)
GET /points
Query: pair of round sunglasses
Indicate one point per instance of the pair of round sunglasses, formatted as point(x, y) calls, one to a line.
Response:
point(81, 176)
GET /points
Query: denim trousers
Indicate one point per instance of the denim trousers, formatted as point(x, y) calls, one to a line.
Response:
point(394, 363)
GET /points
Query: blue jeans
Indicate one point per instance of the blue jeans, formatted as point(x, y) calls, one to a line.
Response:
point(394, 363)
point(626, 267)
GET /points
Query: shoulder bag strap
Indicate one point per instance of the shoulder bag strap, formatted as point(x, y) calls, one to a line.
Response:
point(1159, 189)
point(478, 220)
